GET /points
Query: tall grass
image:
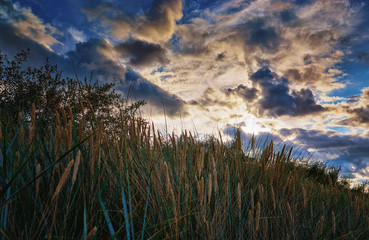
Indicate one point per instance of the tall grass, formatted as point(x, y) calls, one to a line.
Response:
point(68, 181)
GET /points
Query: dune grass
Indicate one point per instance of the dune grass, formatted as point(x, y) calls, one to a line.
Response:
point(76, 180)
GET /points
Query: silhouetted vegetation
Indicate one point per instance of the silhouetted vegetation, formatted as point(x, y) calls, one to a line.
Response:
point(46, 87)
point(61, 179)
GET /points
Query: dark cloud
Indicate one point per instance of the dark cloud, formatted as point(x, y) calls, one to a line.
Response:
point(358, 117)
point(288, 17)
point(276, 97)
point(220, 56)
point(155, 96)
point(257, 34)
point(142, 53)
point(157, 24)
point(308, 74)
point(248, 94)
point(88, 56)
point(305, 102)
point(321, 38)
point(347, 149)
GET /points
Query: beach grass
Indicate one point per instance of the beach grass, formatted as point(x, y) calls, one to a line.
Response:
point(73, 178)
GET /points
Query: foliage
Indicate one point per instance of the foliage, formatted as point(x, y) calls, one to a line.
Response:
point(44, 86)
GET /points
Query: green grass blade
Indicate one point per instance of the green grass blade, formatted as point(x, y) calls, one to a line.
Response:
point(126, 219)
point(147, 204)
point(107, 218)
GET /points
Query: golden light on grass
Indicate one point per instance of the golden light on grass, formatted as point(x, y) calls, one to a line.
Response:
point(63, 179)
point(180, 187)
point(76, 165)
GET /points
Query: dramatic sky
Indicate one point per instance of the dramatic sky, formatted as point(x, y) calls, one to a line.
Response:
point(295, 69)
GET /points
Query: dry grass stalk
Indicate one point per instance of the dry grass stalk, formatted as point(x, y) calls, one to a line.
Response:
point(252, 198)
point(226, 182)
point(76, 165)
point(250, 219)
point(92, 154)
point(333, 222)
point(239, 199)
point(215, 178)
point(91, 234)
point(69, 135)
point(319, 227)
point(63, 179)
point(289, 212)
point(257, 217)
point(91, 109)
point(57, 116)
point(64, 115)
point(200, 162)
point(187, 192)
point(273, 197)
point(200, 186)
point(21, 130)
point(304, 195)
point(261, 193)
point(58, 139)
point(171, 193)
point(209, 187)
point(37, 183)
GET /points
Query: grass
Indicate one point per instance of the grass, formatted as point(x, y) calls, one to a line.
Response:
point(64, 180)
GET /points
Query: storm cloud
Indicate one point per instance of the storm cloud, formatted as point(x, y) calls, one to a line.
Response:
point(248, 94)
point(257, 34)
point(350, 152)
point(141, 53)
point(277, 98)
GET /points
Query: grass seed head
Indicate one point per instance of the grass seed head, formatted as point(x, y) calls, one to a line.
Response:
point(63, 179)
point(257, 217)
point(76, 165)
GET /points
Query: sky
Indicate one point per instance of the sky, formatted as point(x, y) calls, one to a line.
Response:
point(296, 71)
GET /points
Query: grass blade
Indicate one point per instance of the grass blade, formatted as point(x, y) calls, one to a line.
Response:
point(107, 218)
point(126, 219)
point(147, 203)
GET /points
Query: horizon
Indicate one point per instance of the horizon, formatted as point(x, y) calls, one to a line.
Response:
point(296, 70)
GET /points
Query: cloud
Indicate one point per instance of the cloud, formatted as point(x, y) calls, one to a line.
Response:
point(155, 25)
point(257, 34)
point(78, 36)
point(351, 152)
point(155, 96)
point(92, 56)
point(357, 110)
point(28, 25)
point(276, 98)
point(141, 53)
point(248, 94)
